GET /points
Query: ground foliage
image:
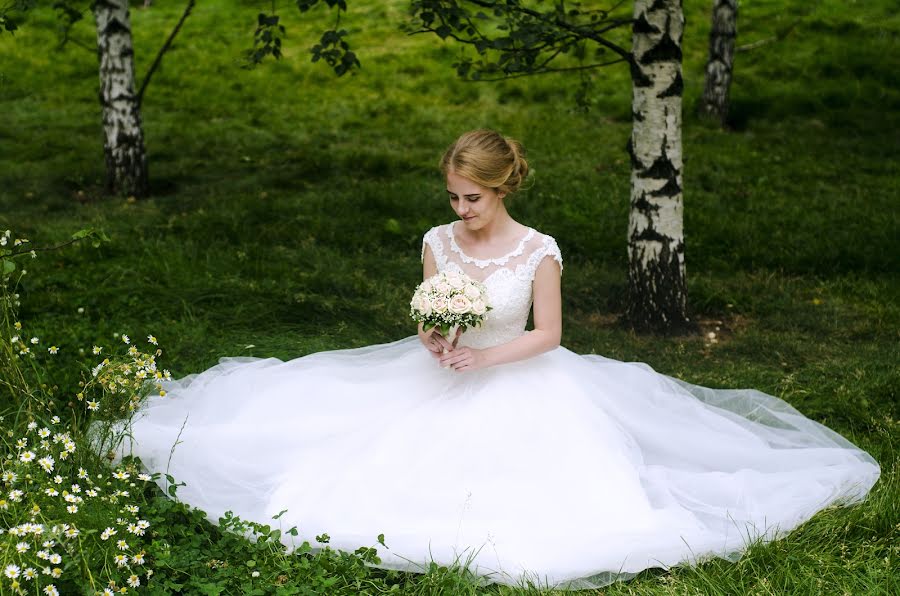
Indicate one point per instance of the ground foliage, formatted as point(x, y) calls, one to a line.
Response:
point(283, 198)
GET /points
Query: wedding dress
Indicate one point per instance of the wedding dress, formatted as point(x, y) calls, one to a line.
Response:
point(563, 469)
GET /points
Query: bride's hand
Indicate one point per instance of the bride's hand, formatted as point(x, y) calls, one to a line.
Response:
point(434, 342)
point(463, 359)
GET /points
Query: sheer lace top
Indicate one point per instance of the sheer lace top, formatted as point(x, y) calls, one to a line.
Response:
point(508, 279)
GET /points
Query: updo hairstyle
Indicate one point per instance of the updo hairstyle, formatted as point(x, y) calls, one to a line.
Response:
point(489, 159)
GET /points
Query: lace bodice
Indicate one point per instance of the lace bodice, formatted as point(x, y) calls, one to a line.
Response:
point(508, 279)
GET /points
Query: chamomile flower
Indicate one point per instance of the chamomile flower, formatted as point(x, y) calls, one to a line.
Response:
point(121, 560)
point(32, 425)
point(9, 477)
point(152, 340)
point(138, 559)
point(54, 420)
point(55, 559)
point(133, 581)
point(51, 492)
point(27, 456)
point(53, 350)
point(93, 405)
point(51, 589)
point(12, 571)
point(144, 477)
point(35, 341)
point(30, 573)
point(71, 532)
point(22, 547)
point(46, 463)
point(15, 496)
point(72, 509)
point(126, 339)
point(97, 350)
point(107, 533)
point(121, 475)
point(122, 545)
point(44, 433)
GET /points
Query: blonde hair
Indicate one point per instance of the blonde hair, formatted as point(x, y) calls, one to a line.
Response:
point(487, 158)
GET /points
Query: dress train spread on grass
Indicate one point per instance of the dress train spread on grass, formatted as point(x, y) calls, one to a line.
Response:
point(563, 469)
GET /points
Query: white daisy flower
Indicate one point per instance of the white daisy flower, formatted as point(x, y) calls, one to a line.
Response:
point(12, 571)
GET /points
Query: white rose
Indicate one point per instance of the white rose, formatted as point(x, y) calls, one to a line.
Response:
point(426, 286)
point(424, 306)
point(442, 288)
point(460, 305)
point(479, 307)
point(455, 281)
point(472, 292)
point(439, 305)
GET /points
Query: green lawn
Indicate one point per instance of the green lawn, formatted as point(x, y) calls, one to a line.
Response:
point(288, 207)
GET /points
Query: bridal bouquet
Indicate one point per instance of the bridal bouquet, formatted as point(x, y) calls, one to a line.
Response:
point(448, 301)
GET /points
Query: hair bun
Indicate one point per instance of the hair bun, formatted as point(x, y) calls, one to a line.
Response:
point(489, 159)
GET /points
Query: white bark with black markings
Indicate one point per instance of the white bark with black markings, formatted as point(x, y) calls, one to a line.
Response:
point(656, 276)
point(714, 102)
point(126, 158)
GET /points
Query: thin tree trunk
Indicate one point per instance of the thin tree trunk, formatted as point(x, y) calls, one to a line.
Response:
point(714, 102)
point(656, 273)
point(126, 158)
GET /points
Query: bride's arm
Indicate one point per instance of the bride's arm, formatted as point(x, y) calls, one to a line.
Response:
point(431, 339)
point(545, 335)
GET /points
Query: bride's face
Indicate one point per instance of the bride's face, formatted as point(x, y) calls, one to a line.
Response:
point(473, 203)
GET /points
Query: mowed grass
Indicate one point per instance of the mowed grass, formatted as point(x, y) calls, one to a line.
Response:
point(288, 208)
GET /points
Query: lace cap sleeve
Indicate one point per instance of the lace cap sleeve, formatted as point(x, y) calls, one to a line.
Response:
point(432, 240)
point(547, 248)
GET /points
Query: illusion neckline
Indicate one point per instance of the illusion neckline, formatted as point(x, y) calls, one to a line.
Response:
point(482, 263)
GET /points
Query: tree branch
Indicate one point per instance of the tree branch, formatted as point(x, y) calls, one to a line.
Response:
point(163, 50)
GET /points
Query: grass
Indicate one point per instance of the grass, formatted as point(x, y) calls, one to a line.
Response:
point(281, 193)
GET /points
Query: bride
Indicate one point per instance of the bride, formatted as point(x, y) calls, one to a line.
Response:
point(496, 448)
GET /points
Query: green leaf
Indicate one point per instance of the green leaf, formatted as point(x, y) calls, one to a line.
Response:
point(8, 266)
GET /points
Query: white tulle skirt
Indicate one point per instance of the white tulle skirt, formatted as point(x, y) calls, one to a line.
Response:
point(563, 470)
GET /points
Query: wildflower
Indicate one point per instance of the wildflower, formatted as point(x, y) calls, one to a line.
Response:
point(138, 559)
point(82, 473)
point(44, 433)
point(33, 254)
point(54, 420)
point(9, 477)
point(121, 560)
point(91, 492)
point(46, 463)
point(126, 339)
point(21, 443)
point(12, 571)
point(42, 554)
point(132, 508)
point(107, 533)
point(72, 509)
point(133, 581)
point(97, 350)
point(144, 477)
point(108, 592)
point(29, 573)
point(93, 405)
point(55, 559)
point(122, 545)
point(254, 574)
point(14, 339)
point(56, 573)
point(15, 496)
point(32, 425)
point(81, 310)
point(34, 340)
point(53, 349)
point(27, 457)
point(76, 488)
point(132, 351)
point(72, 532)
point(3, 506)
point(51, 492)
point(58, 479)
point(121, 475)
point(22, 547)
point(17, 325)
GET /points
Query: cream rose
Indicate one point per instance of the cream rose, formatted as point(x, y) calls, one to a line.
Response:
point(426, 286)
point(479, 307)
point(455, 281)
point(472, 292)
point(460, 305)
point(438, 304)
point(442, 287)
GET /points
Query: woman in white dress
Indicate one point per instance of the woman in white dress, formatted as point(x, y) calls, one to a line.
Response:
point(499, 449)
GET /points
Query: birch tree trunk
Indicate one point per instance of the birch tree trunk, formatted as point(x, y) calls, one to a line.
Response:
point(126, 158)
point(656, 272)
point(721, 60)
